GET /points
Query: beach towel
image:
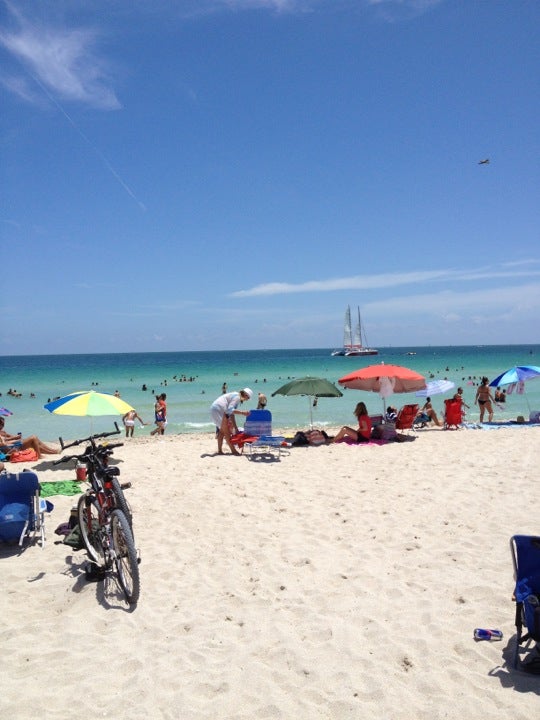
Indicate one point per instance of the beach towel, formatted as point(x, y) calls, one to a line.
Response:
point(28, 455)
point(60, 487)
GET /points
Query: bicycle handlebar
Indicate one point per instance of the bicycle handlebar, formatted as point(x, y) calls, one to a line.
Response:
point(98, 450)
point(91, 439)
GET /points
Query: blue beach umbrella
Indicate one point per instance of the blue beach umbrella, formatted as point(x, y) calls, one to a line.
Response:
point(520, 373)
point(515, 375)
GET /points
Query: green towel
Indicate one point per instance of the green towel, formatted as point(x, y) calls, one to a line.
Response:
point(62, 487)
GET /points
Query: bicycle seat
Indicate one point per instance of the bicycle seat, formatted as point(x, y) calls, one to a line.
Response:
point(112, 471)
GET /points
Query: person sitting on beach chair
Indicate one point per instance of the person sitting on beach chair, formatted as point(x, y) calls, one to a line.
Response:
point(427, 414)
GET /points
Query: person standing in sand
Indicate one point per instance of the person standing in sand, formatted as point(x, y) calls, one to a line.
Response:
point(129, 421)
point(160, 413)
point(484, 398)
point(221, 412)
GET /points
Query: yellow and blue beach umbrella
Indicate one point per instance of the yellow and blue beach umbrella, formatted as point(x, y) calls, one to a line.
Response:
point(88, 403)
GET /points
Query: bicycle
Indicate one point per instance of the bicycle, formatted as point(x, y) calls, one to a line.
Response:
point(105, 518)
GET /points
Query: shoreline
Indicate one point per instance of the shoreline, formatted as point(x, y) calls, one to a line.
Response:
point(189, 402)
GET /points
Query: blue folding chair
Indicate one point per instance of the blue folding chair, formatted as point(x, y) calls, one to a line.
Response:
point(259, 424)
point(525, 551)
point(22, 511)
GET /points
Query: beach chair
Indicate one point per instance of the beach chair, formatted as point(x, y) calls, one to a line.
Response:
point(406, 417)
point(525, 551)
point(257, 423)
point(453, 414)
point(22, 511)
point(257, 435)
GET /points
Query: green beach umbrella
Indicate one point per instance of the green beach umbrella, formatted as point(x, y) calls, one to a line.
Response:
point(312, 387)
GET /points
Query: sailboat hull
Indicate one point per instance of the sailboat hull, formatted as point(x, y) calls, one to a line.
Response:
point(363, 351)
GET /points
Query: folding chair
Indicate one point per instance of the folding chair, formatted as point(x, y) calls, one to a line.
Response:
point(453, 414)
point(257, 423)
point(406, 417)
point(22, 511)
point(525, 551)
point(257, 435)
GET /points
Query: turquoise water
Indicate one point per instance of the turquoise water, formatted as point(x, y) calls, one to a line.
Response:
point(49, 376)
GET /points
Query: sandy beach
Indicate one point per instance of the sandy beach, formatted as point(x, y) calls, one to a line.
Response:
point(339, 582)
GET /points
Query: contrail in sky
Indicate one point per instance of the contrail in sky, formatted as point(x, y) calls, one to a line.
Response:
point(98, 152)
point(87, 140)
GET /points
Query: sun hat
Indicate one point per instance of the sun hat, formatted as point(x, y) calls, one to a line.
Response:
point(248, 392)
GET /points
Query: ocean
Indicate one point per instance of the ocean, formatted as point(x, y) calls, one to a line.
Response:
point(192, 380)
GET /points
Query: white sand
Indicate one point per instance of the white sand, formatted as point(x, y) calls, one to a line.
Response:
point(341, 582)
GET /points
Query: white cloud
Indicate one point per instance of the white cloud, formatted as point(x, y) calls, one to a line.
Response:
point(63, 61)
point(387, 280)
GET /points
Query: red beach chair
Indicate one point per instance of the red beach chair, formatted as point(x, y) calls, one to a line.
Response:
point(406, 417)
point(453, 414)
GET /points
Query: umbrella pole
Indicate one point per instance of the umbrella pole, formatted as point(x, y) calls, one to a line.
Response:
point(310, 413)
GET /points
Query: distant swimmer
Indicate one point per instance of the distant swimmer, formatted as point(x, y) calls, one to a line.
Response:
point(484, 162)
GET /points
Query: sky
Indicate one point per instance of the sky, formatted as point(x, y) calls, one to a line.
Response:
point(231, 174)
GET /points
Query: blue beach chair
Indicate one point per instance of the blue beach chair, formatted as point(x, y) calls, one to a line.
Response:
point(22, 511)
point(525, 551)
point(258, 425)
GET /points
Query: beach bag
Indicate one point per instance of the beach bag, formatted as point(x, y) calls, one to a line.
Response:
point(387, 431)
point(74, 538)
point(300, 439)
point(28, 455)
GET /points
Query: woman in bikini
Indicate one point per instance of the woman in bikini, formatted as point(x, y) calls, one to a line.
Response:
point(484, 398)
point(9, 442)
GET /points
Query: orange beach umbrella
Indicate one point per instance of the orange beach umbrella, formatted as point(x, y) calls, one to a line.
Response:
point(384, 379)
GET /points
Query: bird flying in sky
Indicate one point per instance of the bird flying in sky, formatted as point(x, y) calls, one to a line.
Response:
point(484, 162)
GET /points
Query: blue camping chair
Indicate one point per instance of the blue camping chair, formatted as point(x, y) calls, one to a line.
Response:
point(22, 511)
point(526, 559)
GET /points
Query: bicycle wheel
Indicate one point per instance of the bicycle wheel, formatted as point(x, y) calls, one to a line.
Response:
point(125, 556)
point(90, 526)
point(121, 502)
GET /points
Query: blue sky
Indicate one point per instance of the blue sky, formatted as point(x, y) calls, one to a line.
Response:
point(230, 174)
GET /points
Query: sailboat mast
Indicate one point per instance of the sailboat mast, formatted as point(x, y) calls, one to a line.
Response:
point(358, 337)
point(347, 330)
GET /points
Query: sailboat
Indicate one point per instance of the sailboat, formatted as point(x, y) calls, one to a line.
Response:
point(353, 343)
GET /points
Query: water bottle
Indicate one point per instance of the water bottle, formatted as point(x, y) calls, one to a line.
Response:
point(80, 472)
point(483, 634)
